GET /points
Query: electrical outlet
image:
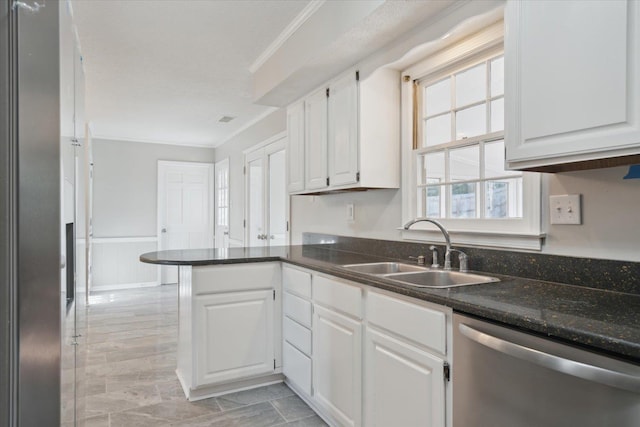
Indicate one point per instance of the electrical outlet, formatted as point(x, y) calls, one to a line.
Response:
point(565, 209)
point(351, 214)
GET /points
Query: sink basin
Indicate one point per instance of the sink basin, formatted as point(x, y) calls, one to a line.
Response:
point(383, 268)
point(440, 279)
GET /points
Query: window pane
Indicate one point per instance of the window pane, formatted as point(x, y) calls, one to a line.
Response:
point(471, 85)
point(438, 97)
point(464, 200)
point(494, 160)
point(497, 76)
point(437, 130)
point(435, 203)
point(497, 115)
point(464, 163)
point(471, 122)
point(434, 168)
point(503, 199)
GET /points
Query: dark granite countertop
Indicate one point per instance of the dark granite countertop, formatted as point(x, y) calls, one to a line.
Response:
point(598, 319)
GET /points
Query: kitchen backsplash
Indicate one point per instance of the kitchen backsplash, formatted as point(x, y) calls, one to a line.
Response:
point(618, 276)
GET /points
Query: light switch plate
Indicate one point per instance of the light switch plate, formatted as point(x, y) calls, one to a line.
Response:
point(565, 209)
point(351, 212)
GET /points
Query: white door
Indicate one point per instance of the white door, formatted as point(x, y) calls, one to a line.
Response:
point(255, 219)
point(185, 209)
point(343, 131)
point(315, 141)
point(222, 203)
point(295, 147)
point(277, 196)
point(267, 197)
point(235, 336)
point(404, 384)
point(337, 369)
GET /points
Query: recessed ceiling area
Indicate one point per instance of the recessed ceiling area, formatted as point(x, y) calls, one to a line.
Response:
point(166, 71)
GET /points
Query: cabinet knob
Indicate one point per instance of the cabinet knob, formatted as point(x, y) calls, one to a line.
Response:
point(164, 230)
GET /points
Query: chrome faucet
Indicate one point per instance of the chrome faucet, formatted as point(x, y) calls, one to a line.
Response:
point(445, 233)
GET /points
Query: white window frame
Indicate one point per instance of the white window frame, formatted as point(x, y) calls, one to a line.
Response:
point(517, 233)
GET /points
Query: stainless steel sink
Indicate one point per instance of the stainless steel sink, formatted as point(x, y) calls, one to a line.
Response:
point(440, 279)
point(383, 268)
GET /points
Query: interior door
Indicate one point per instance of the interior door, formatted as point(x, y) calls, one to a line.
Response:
point(267, 197)
point(255, 198)
point(185, 209)
point(277, 196)
point(222, 204)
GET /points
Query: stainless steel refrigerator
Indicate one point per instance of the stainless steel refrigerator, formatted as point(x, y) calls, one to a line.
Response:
point(30, 330)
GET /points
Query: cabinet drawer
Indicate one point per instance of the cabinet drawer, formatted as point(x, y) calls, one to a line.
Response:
point(420, 324)
point(296, 281)
point(338, 295)
point(211, 279)
point(297, 335)
point(297, 309)
point(296, 367)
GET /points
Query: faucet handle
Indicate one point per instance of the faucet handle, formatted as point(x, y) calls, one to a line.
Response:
point(434, 258)
point(463, 259)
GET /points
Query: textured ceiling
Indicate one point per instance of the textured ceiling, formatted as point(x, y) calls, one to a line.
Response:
point(166, 71)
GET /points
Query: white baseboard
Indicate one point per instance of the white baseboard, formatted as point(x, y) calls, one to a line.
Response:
point(124, 286)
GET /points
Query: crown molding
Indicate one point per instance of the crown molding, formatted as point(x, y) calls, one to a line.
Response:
point(293, 26)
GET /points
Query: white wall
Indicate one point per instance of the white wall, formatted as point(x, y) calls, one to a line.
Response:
point(610, 213)
point(264, 129)
point(125, 187)
point(125, 184)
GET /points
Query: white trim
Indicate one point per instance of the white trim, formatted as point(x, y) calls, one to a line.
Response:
point(124, 286)
point(148, 141)
point(103, 240)
point(531, 242)
point(290, 29)
point(235, 243)
point(265, 143)
point(524, 233)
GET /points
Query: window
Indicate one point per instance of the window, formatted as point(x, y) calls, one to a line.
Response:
point(456, 148)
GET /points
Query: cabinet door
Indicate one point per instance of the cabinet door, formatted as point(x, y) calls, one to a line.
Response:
point(572, 88)
point(234, 336)
point(315, 142)
point(295, 148)
point(343, 131)
point(404, 385)
point(337, 364)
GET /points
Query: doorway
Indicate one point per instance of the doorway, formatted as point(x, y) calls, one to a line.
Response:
point(267, 202)
point(222, 203)
point(185, 209)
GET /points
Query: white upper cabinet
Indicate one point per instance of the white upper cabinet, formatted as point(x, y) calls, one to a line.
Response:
point(343, 131)
point(295, 147)
point(351, 135)
point(315, 146)
point(572, 75)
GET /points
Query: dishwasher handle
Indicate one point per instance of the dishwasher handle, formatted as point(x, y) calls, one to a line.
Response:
point(567, 366)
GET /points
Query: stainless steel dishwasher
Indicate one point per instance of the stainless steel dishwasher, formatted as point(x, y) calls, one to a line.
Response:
point(506, 378)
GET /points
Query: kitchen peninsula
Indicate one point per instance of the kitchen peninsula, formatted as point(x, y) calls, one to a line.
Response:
point(251, 279)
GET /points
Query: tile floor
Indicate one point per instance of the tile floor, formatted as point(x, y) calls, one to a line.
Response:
point(130, 379)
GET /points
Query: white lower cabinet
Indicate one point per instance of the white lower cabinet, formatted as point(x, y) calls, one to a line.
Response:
point(366, 357)
point(230, 328)
point(404, 385)
point(235, 336)
point(337, 373)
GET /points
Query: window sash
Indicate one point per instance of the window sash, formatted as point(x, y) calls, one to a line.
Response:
point(518, 233)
